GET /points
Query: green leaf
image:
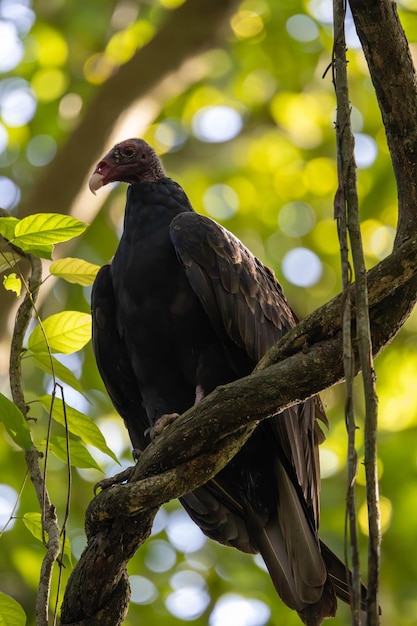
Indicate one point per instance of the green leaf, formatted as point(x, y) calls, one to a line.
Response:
point(13, 283)
point(8, 260)
point(44, 361)
point(15, 423)
point(7, 227)
point(33, 522)
point(42, 230)
point(44, 252)
point(79, 455)
point(67, 332)
point(78, 424)
point(75, 271)
point(11, 613)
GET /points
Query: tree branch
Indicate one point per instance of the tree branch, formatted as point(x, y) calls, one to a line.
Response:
point(50, 524)
point(307, 359)
point(347, 215)
point(204, 439)
point(393, 75)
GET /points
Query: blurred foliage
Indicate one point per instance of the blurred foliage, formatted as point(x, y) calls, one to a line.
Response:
point(253, 145)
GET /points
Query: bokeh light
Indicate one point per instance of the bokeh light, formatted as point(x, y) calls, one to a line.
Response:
point(234, 609)
point(143, 591)
point(9, 193)
point(41, 150)
point(320, 176)
point(187, 603)
point(113, 432)
point(329, 462)
point(366, 150)
point(385, 509)
point(70, 106)
point(8, 499)
point(170, 136)
point(52, 47)
point(183, 533)
point(159, 522)
point(160, 556)
point(4, 137)
point(216, 124)
point(18, 12)
point(11, 48)
point(302, 28)
point(247, 24)
point(322, 10)
point(187, 578)
point(49, 84)
point(302, 267)
point(17, 106)
point(221, 202)
point(296, 219)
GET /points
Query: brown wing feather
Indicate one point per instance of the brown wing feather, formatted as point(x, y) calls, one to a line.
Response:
point(243, 298)
point(247, 298)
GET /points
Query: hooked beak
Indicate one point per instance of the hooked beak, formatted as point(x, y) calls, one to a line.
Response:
point(96, 181)
point(101, 176)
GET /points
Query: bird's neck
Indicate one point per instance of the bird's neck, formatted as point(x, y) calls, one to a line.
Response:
point(151, 206)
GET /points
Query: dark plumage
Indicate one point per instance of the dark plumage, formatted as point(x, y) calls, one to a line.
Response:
point(183, 308)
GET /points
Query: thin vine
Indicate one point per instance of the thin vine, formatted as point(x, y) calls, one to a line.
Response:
point(347, 214)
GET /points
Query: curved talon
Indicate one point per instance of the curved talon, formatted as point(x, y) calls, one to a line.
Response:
point(161, 424)
point(118, 479)
point(136, 453)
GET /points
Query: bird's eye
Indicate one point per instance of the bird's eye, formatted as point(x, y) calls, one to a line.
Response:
point(128, 152)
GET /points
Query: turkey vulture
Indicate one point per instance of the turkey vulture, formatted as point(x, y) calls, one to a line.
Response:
point(185, 307)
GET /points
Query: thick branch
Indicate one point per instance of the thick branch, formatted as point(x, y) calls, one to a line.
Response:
point(312, 351)
point(205, 437)
point(393, 75)
point(384, 280)
point(140, 502)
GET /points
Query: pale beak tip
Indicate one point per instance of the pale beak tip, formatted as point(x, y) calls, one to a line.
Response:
point(95, 182)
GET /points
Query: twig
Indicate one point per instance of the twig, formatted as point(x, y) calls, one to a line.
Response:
point(349, 207)
point(49, 521)
point(345, 200)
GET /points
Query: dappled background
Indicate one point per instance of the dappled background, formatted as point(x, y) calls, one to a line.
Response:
point(247, 128)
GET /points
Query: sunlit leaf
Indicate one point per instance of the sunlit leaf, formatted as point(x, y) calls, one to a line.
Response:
point(11, 613)
point(79, 455)
point(8, 260)
point(67, 332)
point(38, 233)
point(13, 283)
point(48, 228)
point(45, 361)
point(78, 424)
point(75, 271)
point(7, 227)
point(15, 423)
point(33, 522)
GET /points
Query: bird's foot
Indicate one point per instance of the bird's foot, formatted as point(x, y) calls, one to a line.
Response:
point(161, 424)
point(136, 453)
point(118, 479)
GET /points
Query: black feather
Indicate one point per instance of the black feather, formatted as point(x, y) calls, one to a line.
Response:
point(183, 308)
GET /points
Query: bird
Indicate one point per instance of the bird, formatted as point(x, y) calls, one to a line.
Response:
point(182, 308)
